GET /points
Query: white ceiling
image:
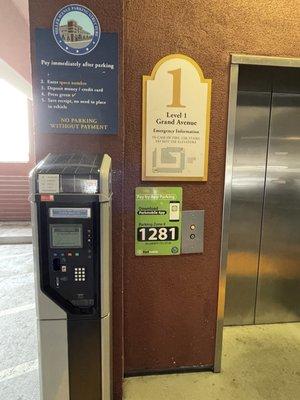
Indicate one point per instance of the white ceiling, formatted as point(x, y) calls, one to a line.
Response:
point(22, 6)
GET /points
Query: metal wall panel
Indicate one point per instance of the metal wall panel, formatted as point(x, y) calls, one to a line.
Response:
point(248, 176)
point(14, 192)
point(278, 296)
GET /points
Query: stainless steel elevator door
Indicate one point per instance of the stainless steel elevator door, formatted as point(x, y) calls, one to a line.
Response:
point(278, 294)
point(248, 177)
point(263, 265)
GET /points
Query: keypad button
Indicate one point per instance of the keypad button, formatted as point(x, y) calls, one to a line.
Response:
point(79, 274)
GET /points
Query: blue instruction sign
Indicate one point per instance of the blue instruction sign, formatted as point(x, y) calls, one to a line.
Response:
point(76, 91)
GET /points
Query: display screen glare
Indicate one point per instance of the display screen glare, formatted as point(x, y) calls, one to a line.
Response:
point(66, 236)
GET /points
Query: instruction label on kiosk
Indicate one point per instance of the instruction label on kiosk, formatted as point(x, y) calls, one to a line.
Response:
point(158, 221)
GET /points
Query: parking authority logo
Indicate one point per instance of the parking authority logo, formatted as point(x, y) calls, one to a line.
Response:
point(76, 29)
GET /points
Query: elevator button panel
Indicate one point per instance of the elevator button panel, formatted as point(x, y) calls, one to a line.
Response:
point(192, 231)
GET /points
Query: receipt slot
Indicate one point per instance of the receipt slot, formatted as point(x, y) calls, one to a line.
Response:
point(71, 217)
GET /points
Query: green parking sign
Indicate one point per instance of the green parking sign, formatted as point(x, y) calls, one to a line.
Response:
point(158, 221)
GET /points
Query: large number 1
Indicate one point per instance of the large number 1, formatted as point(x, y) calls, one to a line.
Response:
point(176, 88)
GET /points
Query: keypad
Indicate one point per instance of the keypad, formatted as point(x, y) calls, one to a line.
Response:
point(79, 274)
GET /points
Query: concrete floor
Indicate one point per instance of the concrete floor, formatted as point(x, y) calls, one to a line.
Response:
point(18, 343)
point(8, 229)
point(259, 363)
point(15, 233)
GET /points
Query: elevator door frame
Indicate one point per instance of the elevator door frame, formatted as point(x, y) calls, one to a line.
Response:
point(236, 60)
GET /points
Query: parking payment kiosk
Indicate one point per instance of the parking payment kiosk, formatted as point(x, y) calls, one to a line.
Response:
point(71, 216)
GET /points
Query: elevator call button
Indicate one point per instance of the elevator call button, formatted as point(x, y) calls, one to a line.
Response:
point(192, 231)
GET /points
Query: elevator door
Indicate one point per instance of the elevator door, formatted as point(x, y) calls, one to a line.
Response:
point(263, 267)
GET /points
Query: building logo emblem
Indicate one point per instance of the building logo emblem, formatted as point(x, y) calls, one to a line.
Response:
point(76, 29)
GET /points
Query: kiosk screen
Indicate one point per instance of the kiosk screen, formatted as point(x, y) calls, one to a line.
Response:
point(66, 236)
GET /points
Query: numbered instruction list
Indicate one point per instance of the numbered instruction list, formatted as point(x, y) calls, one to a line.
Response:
point(76, 94)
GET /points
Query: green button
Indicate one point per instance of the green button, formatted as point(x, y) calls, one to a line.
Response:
point(77, 254)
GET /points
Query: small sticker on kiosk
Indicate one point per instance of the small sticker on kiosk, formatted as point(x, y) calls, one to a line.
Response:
point(64, 212)
point(47, 197)
point(48, 183)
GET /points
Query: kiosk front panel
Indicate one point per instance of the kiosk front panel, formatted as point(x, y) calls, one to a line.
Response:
point(71, 215)
point(70, 255)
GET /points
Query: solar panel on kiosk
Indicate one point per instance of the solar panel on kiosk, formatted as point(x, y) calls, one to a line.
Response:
point(74, 163)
